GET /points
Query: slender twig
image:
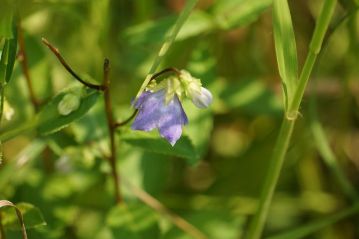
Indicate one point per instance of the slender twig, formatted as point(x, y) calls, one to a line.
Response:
point(152, 202)
point(167, 70)
point(111, 129)
point(5, 203)
point(22, 56)
point(69, 69)
point(119, 124)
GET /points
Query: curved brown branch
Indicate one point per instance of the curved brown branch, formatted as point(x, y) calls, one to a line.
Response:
point(69, 69)
point(169, 69)
point(119, 124)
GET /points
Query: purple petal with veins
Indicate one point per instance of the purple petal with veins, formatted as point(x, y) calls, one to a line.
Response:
point(155, 113)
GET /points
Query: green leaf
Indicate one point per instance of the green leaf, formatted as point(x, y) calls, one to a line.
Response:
point(198, 130)
point(133, 220)
point(153, 32)
point(32, 217)
point(151, 141)
point(8, 56)
point(5, 24)
point(251, 96)
point(18, 164)
point(285, 47)
point(213, 223)
point(50, 120)
point(234, 13)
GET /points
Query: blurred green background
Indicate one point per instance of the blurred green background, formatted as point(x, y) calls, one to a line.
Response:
point(213, 176)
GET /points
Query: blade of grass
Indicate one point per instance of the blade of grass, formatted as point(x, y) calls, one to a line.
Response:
point(286, 50)
point(168, 42)
point(280, 149)
point(327, 154)
point(156, 205)
point(5, 203)
point(315, 226)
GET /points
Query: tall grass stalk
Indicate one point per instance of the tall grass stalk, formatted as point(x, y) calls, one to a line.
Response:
point(168, 42)
point(280, 149)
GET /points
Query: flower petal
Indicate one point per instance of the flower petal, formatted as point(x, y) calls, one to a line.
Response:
point(170, 125)
point(155, 113)
point(148, 116)
point(137, 103)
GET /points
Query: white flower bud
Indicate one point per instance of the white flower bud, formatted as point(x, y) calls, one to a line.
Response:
point(202, 99)
point(200, 96)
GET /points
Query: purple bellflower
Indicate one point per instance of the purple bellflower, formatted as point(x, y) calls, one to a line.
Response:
point(159, 106)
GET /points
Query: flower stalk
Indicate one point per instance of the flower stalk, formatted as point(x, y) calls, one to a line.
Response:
point(282, 143)
point(111, 130)
point(168, 42)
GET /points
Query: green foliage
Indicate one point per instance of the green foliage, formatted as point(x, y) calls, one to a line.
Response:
point(52, 119)
point(32, 217)
point(286, 50)
point(230, 14)
point(7, 60)
point(58, 154)
point(153, 143)
point(133, 220)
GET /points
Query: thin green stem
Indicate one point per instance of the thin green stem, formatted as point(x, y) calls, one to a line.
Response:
point(275, 166)
point(314, 49)
point(257, 225)
point(168, 42)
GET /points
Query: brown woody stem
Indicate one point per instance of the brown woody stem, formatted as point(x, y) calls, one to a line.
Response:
point(111, 130)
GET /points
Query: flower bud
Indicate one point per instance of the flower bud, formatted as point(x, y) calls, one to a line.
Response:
point(200, 96)
point(202, 99)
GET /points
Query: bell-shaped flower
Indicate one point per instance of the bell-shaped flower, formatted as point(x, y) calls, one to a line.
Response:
point(154, 112)
point(159, 106)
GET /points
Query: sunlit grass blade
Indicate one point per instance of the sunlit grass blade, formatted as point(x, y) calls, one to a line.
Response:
point(285, 46)
point(310, 228)
point(168, 42)
point(284, 137)
point(327, 154)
